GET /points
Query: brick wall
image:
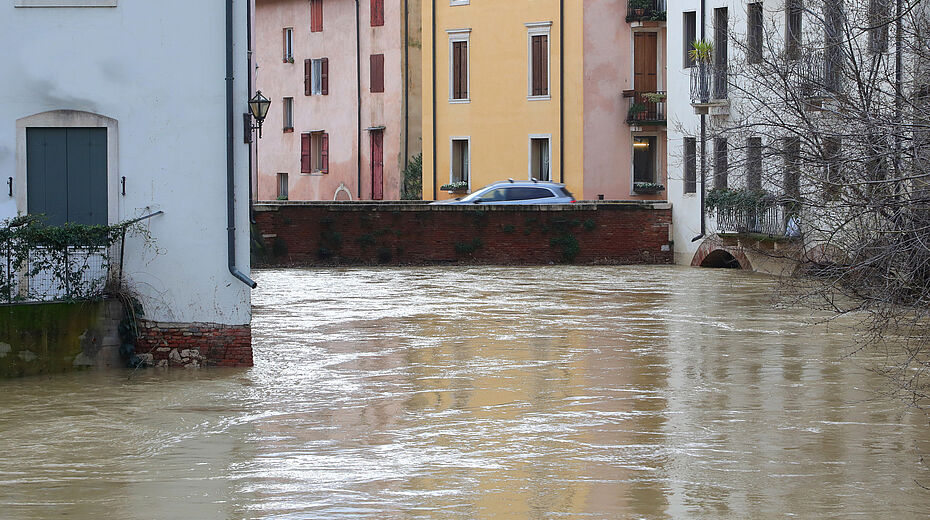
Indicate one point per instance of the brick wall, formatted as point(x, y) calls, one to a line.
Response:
point(195, 344)
point(313, 233)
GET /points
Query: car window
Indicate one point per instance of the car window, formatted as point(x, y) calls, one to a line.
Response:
point(566, 193)
point(528, 193)
point(494, 195)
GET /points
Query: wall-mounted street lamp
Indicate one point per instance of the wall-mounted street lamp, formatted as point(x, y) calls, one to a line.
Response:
point(258, 108)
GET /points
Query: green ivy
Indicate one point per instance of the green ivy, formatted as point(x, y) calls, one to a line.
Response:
point(725, 198)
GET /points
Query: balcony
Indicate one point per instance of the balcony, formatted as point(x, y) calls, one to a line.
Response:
point(646, 11)
point(765, 219)
point(646, 108)
point(816, 75)
point(708, 85)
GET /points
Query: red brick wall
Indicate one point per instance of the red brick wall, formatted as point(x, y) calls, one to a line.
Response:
point(195, 344)
point(296, 233)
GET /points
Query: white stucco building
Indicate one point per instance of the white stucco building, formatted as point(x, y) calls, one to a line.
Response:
point(143, 85)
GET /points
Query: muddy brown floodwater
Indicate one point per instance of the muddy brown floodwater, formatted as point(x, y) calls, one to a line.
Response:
point(485, 392)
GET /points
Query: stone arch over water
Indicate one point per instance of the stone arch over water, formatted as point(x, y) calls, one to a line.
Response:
point(714, 254)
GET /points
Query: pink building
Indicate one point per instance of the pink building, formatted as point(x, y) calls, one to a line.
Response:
point(346, 109)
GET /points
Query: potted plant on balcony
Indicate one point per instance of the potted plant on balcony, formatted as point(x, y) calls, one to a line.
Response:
point(639, 6)
point(702, 51)
point(644, 188)
point(654, 97)
point(455, 187)
point(636, 109)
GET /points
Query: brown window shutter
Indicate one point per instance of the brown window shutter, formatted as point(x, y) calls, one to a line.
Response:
point(377, 72)
point(324, 76)
point(308, 83)
point(324, 152)
point(377, 13)
point(460, 70)
point(537, 65)
point(543, 65)
point(304, 153)
point(316, 15)
point(463, 77)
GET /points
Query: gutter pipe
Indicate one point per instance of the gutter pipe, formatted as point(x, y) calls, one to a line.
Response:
point(562, 92)
point(358, 92)
point(231, 154)
point(433, 43)
point(406, 87)
point(248, 28)
point(703, 147)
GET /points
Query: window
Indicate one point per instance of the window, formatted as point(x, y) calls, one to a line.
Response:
point(754, 164)
point(458, 65)
point(540, 158)
point(377, 72)
point(522, 193)
point(721, 34)
point(316, 77)
point(458, 2)
point(689, 26)
point(793, 29)
point(538, 65)
point(289, 45)
point(314, 152)
point(282, 186)
point(460, 167)
point(377, 13)
point(833, 177)
point(792, 156)
point(878, 25)
point(833, 44)
point(316, 15)
point(721, 162)
point(754, 33)
point(288, 119)
point(644, 158)
point(690, 166)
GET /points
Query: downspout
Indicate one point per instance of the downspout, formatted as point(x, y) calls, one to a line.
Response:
point(231, 154)
point(562, 91)
point(433, 42)
point(703, 149)
point(406, 87)
point(358, 91)
point(248, 26)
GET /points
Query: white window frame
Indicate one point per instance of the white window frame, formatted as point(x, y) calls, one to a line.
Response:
point(316, 151)
point(657, 174)
point(529, 155)
point(288, 103)
point(459, 2)
point(452, 141)
point(459, 35)
point(286, 185)
point(538, 29)
point(316, 77)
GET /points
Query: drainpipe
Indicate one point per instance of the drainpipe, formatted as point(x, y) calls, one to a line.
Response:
point(562, 92)
point(406, 87)
point(248, 26)
point(433, 21)
point(703, 149)
point(231, 153)
point(358, 91)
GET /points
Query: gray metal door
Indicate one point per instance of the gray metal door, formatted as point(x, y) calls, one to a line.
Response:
point(66, 174)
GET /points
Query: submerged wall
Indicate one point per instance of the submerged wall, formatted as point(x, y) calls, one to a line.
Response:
point(51, 338)
point(397, 233)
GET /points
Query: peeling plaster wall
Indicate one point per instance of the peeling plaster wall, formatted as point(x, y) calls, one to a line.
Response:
point(162, 78)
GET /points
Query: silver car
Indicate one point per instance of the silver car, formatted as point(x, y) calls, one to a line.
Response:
point(517, 192)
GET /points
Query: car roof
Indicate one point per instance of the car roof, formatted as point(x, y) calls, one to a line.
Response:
point(541, 184)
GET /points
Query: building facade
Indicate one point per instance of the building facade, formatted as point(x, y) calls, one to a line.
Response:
point(571, 92)
point(123, 108)
point(345, 118)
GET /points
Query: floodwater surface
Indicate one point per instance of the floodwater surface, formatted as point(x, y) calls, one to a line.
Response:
point(485, 392)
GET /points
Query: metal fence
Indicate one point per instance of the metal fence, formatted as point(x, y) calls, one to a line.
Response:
point(654, 11)
point(643, 110)
point(766, 220)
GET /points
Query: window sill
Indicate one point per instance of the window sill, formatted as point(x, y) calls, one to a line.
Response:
point(313, 174)
point(539, 98)
point(459, 101)
point(288, 130)
point(64, 3)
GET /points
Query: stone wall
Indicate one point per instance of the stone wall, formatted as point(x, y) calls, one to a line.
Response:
point(313, 233)
point(48, 338)
point(194, 344)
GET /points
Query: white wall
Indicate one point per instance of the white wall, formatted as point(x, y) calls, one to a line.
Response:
point(158, 68)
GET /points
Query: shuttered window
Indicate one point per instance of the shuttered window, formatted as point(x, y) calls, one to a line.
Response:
point(316, 15)
point(314, 152)
point(754, 33)
point(316, 77)
point(794, 17)
point(460, 70)
point(721, 162)
point(539, 64)
point(305, 153)
point(377, 13)
point(324, 76)
point(308, 77)
point(377, 72)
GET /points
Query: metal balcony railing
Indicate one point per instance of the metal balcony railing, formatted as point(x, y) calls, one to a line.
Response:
point(653, 10)
point(817, 74)
point(708, 83)
point(647, 108)
point(768, 219)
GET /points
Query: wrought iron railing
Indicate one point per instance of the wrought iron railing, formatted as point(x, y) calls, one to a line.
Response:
point(644, 11)
point(766, 219)
point(41, 263)
point(708, 83)
point(817, 73)
point(647, 108)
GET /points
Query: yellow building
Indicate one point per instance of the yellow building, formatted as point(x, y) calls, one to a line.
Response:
point(512, 89)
